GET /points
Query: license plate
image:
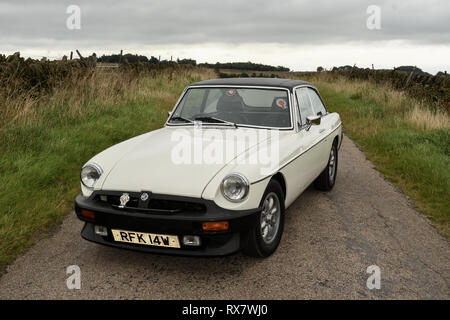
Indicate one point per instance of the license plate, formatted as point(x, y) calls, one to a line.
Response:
point(149, 239)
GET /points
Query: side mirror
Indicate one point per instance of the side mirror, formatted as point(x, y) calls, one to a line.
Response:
point(313, 120)
point(169, 114)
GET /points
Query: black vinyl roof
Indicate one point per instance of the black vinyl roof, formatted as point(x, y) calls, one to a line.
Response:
point(262, 82)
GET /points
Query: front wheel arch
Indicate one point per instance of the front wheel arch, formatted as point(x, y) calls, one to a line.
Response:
point(279, 177)
point(254, 244)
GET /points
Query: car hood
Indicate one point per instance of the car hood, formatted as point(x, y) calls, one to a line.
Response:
point(155, 164)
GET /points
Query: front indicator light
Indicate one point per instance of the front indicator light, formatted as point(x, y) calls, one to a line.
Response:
point(88, 214)
point(215, 226)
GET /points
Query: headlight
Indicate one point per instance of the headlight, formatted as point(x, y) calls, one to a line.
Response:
point(234, 187)
point(90, 174)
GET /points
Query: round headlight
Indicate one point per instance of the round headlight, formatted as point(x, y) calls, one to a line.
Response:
point(90, 174)
point(234, 187)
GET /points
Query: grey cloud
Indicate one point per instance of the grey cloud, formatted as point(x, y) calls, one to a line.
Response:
point(232, 22)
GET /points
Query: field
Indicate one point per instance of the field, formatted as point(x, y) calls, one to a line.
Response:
point(45, 139)
point(406, 139)
point(50, 127)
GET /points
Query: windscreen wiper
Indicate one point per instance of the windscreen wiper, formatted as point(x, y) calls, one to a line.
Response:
point(215, 120)
point(181, 118)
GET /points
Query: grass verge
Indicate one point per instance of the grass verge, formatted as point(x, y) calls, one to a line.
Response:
point(44, 146)
point(406, 141)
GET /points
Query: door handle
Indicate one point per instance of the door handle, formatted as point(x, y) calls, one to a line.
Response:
point(321, 130)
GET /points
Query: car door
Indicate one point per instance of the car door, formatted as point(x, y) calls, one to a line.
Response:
point(321, 130)
point(302, 170)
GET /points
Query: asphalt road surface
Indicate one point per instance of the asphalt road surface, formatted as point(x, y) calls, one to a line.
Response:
point(329, 241)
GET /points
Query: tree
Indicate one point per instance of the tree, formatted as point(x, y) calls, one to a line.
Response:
point(192, 62)
point(319, 69)
point(153, 60)
point(244, 66)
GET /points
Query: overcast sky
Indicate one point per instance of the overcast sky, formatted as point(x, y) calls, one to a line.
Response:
point(294, 33)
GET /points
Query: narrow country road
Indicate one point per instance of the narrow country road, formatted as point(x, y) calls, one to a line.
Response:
point(330, 239)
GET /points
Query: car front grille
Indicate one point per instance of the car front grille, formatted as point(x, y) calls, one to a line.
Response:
point(155, 203)
point(114, 200)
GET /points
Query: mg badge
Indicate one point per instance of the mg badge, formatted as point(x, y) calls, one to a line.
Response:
point(124, 198)
point(144, 196)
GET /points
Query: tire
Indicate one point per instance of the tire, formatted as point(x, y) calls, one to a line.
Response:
point(263, 240)
point(326, 180)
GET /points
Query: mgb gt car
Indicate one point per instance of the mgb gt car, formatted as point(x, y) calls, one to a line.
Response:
point(218, 177)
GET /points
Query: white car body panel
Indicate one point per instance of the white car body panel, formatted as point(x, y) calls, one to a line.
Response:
point(148, 166)
point(144, 163)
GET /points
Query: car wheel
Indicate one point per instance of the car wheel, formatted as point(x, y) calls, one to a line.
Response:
point(325, 181)
point(264, 238)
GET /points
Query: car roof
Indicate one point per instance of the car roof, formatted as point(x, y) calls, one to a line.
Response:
point(261, 82)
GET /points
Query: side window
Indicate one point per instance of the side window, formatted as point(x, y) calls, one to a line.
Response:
point(316, 103)
point(304, 104)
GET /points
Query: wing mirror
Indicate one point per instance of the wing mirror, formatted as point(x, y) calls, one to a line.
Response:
point(312, 120)
point(169, 114)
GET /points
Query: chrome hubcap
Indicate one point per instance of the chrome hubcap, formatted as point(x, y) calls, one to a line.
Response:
point(270, 217)
point(332, 165)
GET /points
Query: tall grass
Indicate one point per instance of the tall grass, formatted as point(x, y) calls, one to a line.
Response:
point(407, 139)
point(392, 101)
point(44, 139)
point(426, 119)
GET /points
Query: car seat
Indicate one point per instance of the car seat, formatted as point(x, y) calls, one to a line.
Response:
point(231, 108)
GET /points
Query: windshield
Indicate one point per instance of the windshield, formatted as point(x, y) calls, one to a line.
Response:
point(236, 106)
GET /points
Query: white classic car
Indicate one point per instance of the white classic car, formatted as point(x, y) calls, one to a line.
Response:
point(218, 177)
